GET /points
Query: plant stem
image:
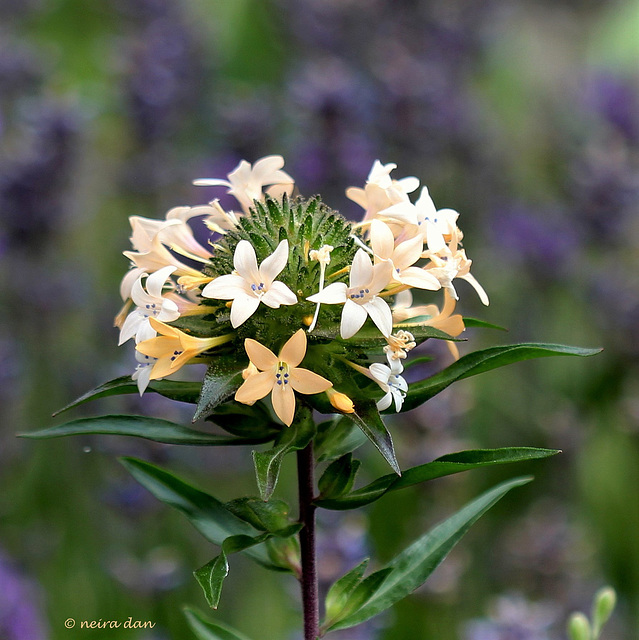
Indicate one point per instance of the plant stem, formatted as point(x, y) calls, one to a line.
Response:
point(310, 599)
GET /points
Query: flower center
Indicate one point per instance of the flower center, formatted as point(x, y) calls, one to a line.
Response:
point(359, 295)
point(258, 289)
point(282, 377)
point(151, 310)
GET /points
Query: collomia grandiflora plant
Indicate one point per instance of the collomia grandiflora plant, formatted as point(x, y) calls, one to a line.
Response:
point(297, 313)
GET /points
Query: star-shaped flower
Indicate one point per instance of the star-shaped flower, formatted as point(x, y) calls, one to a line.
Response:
point(249, 284)
point(245, 182)
point(174, 348)
point(403, 257)
point(280, 376)
point(360, 297)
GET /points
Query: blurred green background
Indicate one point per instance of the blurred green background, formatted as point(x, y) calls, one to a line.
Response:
point(523, 116)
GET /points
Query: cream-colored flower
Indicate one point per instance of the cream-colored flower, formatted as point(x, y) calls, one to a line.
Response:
point(450, 263)
point(389, 380)
point(249, 284)
point(381, 191)
point(280, 376)
point(246, 182)
point(174, 348)
point(423, 219)
point(402, 257)
point(360, 297)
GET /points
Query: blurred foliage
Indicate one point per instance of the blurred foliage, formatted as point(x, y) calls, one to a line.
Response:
point(523, 116)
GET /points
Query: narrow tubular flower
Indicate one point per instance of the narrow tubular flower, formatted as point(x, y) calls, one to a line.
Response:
point(323, 256)
point(174, 348)
point(360, 297)
point(249, 284)
point(280, 376)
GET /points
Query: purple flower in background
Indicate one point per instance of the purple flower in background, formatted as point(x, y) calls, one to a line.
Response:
point(20, 610)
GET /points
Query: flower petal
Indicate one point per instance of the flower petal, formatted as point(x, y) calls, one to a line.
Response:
point(242, 309)
point(305, 381)
point(155, 282)
point(353, 317)
point(255, 387)
point(130, 326)
point(245, 261)
point(294, 350)
point(419, 278)
point(361, 270)
point(262, 357)
point(382, 240)
point(333, 294)
point(380, 314)
point(272, 266)
point(278, 294)
point(408, 252)
point(225, 287)
point(283, 400)
point(483, 296)
point(385, 402)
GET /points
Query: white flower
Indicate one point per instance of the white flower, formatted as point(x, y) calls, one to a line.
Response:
point(246, 182)
point(422, 218)
point(390, 381)
point(360, 297)
point(450, 263)
point(142, 373)
point(381, 191)
point(249, 284)
point(402, 257)
point(149, 304)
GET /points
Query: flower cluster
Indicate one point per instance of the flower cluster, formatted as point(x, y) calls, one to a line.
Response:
point(291, 276)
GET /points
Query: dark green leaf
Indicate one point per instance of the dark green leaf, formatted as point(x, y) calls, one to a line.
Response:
point(205, 630)
point(293, 438)
point(481, 361)
point(174, 389)
point(337, 437)
point(207, 514)
point(444, 466)
point(339, 476)
point(413, 566)
point(245, 421)
point(367, 418)
point(140, 427)
point(221, 381)
point(212, 575)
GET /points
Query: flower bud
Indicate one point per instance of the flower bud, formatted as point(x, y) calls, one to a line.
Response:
point(579, 627)
point(603, 606)
point(340, 401)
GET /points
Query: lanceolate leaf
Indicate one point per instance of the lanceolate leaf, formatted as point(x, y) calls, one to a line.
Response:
point(173, 389)
point(205, 630)
point(341, 590)
point(411, 567)
point(336, 438)
point(481, 361)
point(444, 466)
point(339, 477)
point(367, 418)
point(221, 381)
point(475, 322)
point(207, 514)
point(154, 429)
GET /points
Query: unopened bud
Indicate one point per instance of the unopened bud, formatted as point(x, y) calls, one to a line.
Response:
point(340, 401)
point(579, 627)
point(603, 606)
